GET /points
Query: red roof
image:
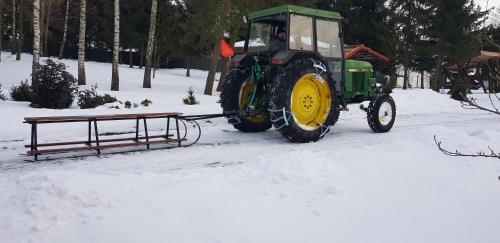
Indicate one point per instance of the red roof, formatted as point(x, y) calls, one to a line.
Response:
point(362, 52)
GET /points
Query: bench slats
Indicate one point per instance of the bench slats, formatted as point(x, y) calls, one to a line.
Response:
point(93, 141)
point(87, 148)
point(45, 119)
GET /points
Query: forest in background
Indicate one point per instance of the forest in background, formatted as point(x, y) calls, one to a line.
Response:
point(417, 35)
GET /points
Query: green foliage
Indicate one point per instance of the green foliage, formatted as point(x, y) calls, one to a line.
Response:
point(127, 104)
point(2, 95)
point(146, 102)
point(109, 99)
point(22, 92)
point(459, 92)
point(55, 88)
point(90, 99)
point(190, 99)
point(369, 24)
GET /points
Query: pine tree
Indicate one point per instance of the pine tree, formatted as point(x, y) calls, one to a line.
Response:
point(133, 16)
point(14, 30)
point(81, 43)
point(115, 80)
point(47, 6)
point(197, 29)
point(65, 31)
point(20, 35)
point(215, 53)
point(405, 16)
point(451, 27)
point(1, 27)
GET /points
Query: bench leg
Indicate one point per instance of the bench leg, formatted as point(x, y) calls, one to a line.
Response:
point(178, 131)
point(97, 138)
point(146, 132)
point(137, 130)
point(167, 134)
point(89, 142)
point(34, 141)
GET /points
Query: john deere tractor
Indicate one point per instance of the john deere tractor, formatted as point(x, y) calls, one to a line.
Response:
point(301, 87)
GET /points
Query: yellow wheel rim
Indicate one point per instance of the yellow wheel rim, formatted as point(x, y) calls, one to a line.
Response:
point(311, 101)
point(245, 92)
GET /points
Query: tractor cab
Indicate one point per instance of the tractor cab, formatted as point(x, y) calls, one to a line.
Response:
point(308, 33)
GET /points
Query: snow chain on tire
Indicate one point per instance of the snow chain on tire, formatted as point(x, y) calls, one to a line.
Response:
point(280, 92)
point(230, 102)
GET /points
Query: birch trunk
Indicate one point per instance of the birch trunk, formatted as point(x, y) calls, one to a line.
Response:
point(115, 79)
point(20, 30)
point(14, 30)
point(36, 40)
point(65, 31)
point(81, 43)
point(149, 50)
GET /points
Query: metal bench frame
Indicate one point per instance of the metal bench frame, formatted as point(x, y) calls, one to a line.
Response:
point(97, 144)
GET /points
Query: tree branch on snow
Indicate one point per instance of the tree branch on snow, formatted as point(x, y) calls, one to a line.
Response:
point(471, 104)
point(456, 153)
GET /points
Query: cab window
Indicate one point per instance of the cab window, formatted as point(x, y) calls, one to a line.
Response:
point(329, 44)
point(301, 33)
point(260, 37)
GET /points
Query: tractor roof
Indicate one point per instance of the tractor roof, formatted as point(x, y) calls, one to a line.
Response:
point(294, 9)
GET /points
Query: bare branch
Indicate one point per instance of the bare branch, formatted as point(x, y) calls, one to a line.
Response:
point(456, 153)
point(471, 104)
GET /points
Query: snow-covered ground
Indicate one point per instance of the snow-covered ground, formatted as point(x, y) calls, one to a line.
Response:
point(351, 186)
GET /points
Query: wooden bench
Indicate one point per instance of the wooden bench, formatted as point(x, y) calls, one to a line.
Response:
point(98, 144)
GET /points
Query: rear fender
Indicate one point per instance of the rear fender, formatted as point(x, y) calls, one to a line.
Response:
point(287, 56)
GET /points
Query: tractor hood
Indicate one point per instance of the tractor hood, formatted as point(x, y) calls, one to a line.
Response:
point(357, 66)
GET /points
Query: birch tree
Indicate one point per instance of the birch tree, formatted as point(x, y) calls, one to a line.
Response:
point(81, 43)
point(149, 50)
point(115, 79)
point(65, 31)
point(36, 39)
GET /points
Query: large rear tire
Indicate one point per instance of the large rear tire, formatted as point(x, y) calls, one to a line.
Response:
point(234, 97)
point(303, 101)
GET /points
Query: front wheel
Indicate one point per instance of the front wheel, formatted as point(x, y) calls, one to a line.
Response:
point(381, 113)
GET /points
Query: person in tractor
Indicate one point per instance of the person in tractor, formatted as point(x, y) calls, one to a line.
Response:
point(278, 42)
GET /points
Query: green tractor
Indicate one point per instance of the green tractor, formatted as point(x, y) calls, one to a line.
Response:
point(293, 75)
